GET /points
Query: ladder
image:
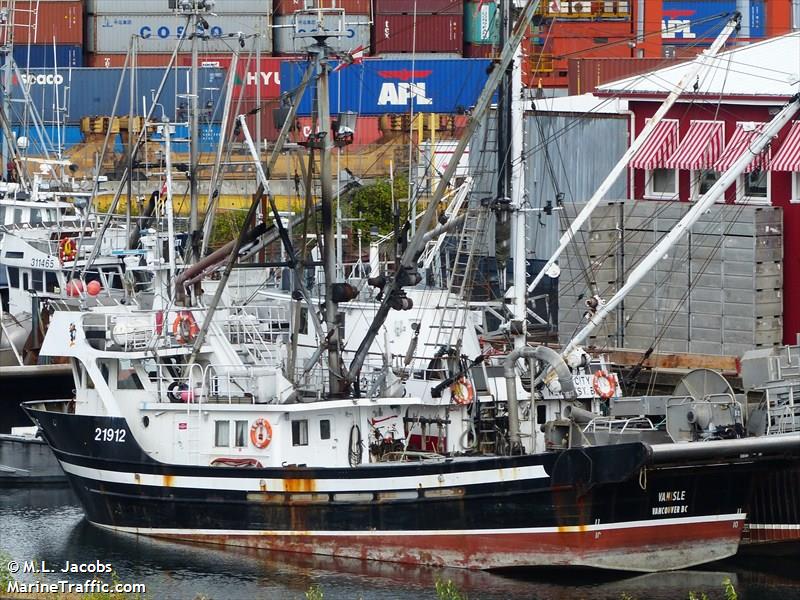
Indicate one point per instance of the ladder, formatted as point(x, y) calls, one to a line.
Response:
point(452, 313)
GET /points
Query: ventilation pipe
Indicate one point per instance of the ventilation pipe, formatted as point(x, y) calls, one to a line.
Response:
point(544, 354)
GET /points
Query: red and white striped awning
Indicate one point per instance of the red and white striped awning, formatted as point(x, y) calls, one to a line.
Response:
point(659, 146)
point(739, 143)
point(700, 147)
point(788, 157)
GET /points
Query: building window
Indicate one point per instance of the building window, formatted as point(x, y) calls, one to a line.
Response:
point(754, 187)
point(300, 433)
point(222, 434)
point(661, 183)
point(702, 181)
point(324, 429)
point(795, 191)
point(241, 434)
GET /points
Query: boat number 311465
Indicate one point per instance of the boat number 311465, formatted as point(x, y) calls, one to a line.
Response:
point(109, 434)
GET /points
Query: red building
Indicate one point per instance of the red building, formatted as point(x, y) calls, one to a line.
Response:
point(711, 125)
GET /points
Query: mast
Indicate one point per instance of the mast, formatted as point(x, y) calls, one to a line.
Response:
point(337, 382)
point(518, 194)
point(689, 219)
point(394, 287)
point(690, 77)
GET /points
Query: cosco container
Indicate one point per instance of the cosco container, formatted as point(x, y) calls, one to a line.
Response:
point(481, 25)
point(409, 7)
point(687, 21)
point(378, 87)
point(151, 7)
point(425, 33)
point(351, 7)
point(286, 41)
point(47, 56)
point(88, 92)
point(160, 33)
point(111, 60)
point(48, 20)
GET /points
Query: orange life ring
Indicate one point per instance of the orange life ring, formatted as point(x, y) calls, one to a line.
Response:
point(184, 327)
point(462, 391)
point(604, 384)
point(261, 433)
point(66, 249)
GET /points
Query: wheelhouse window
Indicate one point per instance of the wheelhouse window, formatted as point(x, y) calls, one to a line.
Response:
point(661, 183)
point(13, 277)
point(222, 434)
point(38, 279)
point(324, 429)
point(240, 435)
point(300, 433)
point(51, 282)
point(36, 216)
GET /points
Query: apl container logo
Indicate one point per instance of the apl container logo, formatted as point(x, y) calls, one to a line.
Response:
point(675, 27)
point(407, 90)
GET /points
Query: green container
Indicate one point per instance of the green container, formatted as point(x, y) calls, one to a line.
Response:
point(481, 25)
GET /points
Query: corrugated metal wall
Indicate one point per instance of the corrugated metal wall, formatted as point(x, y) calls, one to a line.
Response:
point(580, 150)
point(577, 151)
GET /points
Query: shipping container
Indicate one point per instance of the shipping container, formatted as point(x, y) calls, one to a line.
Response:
point(88, 92)
point(160, 33)
point(420, 7)
point(154, 7)
point(427, 33)
point(481, 51)
point(208, 138)
point(114, 60)
point(686, 22)
point(351, 7)
point(66, 137)
point(585, 74)
point(47, 56)
point(378, 87)
point(59, 20)
point(481, 23)
point(248, 76)
point(287, 28)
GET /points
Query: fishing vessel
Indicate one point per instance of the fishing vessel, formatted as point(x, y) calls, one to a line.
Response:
point(204, 417)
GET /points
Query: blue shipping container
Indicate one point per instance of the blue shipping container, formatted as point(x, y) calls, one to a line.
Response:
point(377, 87)
point(89, 92)
point(687, 21)
point(208, 138)
point(47, 56)
point(68, 137)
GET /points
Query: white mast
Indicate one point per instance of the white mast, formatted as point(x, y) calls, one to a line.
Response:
point(689, 219)
point(518, 249)
point(689, 78)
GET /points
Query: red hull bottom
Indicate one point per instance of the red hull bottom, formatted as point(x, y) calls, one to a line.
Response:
point(641, 546)
point(772, 533)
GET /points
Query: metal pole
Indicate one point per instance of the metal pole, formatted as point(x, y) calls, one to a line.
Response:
point(689, 78)
point(194, 132)
point(335, 367)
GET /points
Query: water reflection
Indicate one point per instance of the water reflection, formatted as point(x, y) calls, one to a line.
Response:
point(46, 524)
